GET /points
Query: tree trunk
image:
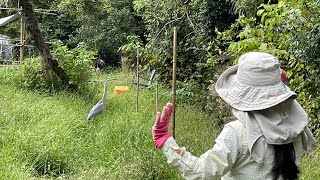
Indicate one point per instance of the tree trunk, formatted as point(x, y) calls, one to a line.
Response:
point(35, 34)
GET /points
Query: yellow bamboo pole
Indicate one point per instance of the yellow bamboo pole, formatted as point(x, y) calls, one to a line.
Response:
point(174, 81)
point(157, 96)
point(138, 88)
point(22, 32)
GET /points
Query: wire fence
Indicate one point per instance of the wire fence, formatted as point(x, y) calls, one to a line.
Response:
point(10, 51)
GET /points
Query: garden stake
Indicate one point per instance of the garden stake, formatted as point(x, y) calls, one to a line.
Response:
point(174, 81)
point(157, 94)
point(137, 103)
point(22, 35)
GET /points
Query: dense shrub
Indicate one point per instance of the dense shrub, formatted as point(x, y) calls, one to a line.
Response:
point(31, 75)
point(77, 63)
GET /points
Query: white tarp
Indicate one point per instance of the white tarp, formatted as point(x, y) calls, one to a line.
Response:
point(6, 20)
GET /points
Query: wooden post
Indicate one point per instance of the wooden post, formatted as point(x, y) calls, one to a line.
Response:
point(22, 32)
point(174, 81)
point(138, 88)
point(5, 59)
point(157, 95)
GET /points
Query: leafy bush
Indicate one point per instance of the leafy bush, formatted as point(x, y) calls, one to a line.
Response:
point(31, 75)
point(77, 63)
point(246, 7)
point(189, 93)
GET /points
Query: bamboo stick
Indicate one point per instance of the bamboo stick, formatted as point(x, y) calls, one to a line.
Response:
point(157, 95)
point(174, 81)
point(137, 103)
point(22, 40)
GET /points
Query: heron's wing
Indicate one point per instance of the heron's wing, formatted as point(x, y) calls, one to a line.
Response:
point(97, 109)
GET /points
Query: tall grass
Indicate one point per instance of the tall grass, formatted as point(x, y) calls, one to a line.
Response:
point(46, 136)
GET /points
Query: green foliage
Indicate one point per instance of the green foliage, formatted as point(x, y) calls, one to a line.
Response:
point(31, 75)
point(290, 31)
point(104, 25)
point(76, 62)
point(52, 140)
point(189, 93)
point(61, 26)
point(129, 54)
point(130, 50)
point(247, 8)
point(194, 21)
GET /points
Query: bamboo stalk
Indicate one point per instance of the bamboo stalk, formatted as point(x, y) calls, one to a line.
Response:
point(22, 32)
point(137, 103)
point(174, 81)
point(157, 95)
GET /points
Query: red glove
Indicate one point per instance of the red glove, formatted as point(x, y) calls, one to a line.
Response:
point(160, 132)
point(283, 76)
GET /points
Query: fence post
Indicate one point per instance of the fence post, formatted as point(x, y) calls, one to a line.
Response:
point(174, 81)
point(137, 103)
point(22, 32)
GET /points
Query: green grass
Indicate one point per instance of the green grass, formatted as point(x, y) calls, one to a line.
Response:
point(46, 136)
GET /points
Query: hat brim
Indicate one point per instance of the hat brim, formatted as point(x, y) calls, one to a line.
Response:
point(250, 98)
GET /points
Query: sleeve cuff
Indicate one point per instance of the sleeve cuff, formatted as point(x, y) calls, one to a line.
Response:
point(171, 142)
point(171, 148)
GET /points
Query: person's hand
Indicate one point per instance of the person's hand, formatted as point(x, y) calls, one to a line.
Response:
point(283, 75)
point(160, 132)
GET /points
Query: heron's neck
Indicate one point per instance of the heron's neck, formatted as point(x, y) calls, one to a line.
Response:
point(104, 97)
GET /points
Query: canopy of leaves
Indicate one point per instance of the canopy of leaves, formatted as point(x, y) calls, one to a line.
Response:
point(195, 21)
point(103, 25)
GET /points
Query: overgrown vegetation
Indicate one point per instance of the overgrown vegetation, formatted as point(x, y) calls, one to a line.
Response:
point(207, 44)
point(76, 62)
point(47, 130)
point(47, 137)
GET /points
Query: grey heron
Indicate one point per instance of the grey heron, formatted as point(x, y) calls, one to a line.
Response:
point(99, 107)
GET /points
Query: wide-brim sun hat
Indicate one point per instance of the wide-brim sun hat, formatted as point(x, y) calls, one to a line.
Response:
point(254, 83)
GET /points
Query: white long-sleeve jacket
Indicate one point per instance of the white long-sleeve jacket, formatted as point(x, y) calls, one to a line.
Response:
point(228, 159)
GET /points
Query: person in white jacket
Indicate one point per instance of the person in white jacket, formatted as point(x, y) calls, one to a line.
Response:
point(264, 142)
